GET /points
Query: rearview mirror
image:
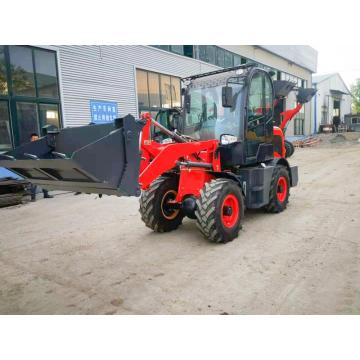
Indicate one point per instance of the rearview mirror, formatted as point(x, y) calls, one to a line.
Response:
point(227, 97)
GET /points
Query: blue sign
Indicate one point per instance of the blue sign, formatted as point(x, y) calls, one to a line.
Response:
point(103, 111)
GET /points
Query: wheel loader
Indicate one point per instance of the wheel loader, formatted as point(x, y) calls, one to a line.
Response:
point(221, 155)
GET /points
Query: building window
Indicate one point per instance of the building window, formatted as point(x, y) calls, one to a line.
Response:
point(237, 60)
point(189, 51)
point(46, 74)
point(298, 126)
point(294, 79)
point(211, 54)
point(27, 120)
point(49, 115)
point(22, 71)
point(157, 91)
point(142, 89)
point(185, 50)
point(229, 62)
point(207, 53)
point(5, 130)
point(162, 47)
point(220, 57)
point(355, 120)
point(3, 77)
point(165, 91)
point(299, 122)
point(154, 90)
point(178, 49)
point(175, 92)
point(31, 97)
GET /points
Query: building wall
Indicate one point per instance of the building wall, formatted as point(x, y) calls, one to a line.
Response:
point(346, 106)
point(259, 54)
point(268, 58)
point(325, 99)
point(108, 73)
point(302, 55)
point(322, 104)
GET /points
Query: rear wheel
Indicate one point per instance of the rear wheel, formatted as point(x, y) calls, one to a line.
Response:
point(156, 209)
point(220, 210)
point(279, 190)
point(289, 149)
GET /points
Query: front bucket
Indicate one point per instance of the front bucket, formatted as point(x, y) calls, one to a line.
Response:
point(103, 159)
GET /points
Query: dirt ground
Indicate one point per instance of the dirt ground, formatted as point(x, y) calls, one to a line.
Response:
point(85, 255)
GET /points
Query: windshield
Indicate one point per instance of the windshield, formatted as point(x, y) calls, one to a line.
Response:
point(208, 119)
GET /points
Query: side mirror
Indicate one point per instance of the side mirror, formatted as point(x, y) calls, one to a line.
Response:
point(227, 97)
point(187, 103)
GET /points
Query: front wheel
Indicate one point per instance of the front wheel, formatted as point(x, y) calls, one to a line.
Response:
point(156, 207)
point(220, 210)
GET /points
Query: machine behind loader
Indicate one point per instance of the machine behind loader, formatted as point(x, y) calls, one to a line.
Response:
point(224, 155)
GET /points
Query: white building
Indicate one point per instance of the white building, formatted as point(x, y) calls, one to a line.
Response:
point(64, 85)
point(332, 99)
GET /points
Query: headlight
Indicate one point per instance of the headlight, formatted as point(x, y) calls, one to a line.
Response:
point(227, 139)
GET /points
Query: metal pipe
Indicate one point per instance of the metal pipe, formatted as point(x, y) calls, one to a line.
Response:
point(194, 164)
point(166, 131)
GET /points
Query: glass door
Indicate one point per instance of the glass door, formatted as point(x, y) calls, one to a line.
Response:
point(27, 121)
point(5, 129)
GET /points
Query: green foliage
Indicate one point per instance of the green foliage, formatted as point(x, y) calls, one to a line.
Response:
point(355, 92)
point(3, 82)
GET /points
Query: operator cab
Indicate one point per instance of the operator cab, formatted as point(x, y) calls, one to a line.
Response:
point(236, 108)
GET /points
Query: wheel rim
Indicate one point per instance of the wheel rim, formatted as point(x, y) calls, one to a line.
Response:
point(282, 189)
point(230, 211)
point(167, 211)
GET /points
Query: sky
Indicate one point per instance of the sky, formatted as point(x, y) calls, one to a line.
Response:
point(341, 58)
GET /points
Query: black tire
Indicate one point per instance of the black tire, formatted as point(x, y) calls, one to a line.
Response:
point(290, 149)
point(210, 210)
point(277, 203)
point(153, 210)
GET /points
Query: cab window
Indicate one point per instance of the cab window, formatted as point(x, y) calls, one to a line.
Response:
point(259, 112)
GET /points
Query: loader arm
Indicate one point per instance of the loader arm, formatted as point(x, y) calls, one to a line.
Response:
point(288, 115)
point(169, 155)
point(157, 159)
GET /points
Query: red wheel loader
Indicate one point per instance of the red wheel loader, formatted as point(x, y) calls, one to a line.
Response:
point(224, 155)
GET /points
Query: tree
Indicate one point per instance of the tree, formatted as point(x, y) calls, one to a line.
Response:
point(355, 92)
point(3, 82)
